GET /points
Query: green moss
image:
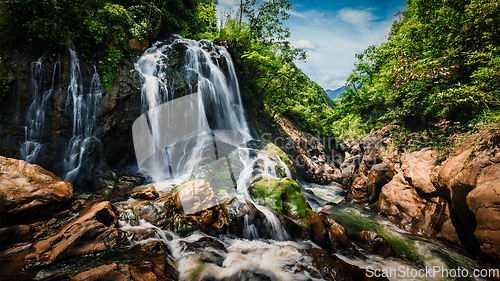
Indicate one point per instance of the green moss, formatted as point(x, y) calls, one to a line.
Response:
point(272, 147)
point(283, 195)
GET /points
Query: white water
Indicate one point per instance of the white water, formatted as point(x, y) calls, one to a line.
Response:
point(180, 131)
point(85, 106)
point(185, 131)
point(35, 118)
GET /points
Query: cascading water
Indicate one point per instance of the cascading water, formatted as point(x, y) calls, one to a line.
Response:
point(208, 91)
point(176, 134)
point(35, 118)
point(85, 109)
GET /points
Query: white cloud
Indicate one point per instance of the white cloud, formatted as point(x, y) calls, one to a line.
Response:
point(358, 18)
point(296, 14)
point(335, 43)
point(332, 37)
point(304, 44)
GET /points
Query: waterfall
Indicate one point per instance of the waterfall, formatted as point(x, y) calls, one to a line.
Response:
point(85, 109)
point(35, 118)
point(177, 134)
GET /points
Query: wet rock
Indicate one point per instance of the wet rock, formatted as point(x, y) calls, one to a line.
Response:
point(469, 180)
point(283, 195)
point(102, 180)
point(250, 275)
point(282, 155)
point(330, 267)
point(29, 192)
point(300, 221)
point(374, 243)
point(112, 271)
point(149, 193)
point(16, 234)
point(91, 232)
point(204, 243)
point(195, 196)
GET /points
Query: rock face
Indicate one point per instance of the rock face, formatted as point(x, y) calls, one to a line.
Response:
point(29, 192)
point(469, 180)
point(93, 231)
point(73, 240)
point(398, 187)
point(316, 160)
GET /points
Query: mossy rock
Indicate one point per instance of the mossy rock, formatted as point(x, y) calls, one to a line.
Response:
point(284, 157)
point(282, 195)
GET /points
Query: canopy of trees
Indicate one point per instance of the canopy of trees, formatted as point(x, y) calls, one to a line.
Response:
point(441, 62)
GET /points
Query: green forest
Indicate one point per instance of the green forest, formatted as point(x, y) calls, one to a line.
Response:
point(438, 72)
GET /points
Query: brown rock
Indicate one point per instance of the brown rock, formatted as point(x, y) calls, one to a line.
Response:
point(220, 41)
point(112, 271)
point(91, 232)
point(367, 184)
point(15, 234)
point(149, 193)
point(416, 168)
point(195, 196)
point(374, 243)
point(399, 201)
point(332, 268)
point(469, 180)
point(484, 202)
point(317, 160)
point(29, 192)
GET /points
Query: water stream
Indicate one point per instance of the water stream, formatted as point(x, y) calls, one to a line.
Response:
point(190, 126)
point(35, 118)
point(85, 106)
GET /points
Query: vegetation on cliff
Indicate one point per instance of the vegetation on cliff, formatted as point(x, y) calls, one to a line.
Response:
point(101, 30)
point(440, 65)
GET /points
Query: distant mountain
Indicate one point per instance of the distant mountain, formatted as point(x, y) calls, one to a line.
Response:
point(333, 94)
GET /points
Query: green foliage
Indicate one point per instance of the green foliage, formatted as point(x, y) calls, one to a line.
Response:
point(4, 86)
point(109, 65)
point(270, 82)
point(441, 62)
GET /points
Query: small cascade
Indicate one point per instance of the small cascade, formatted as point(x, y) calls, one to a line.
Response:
point(267, 170)
point(85, 109)
point(35, 118)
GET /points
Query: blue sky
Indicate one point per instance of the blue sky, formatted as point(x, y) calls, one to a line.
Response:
point(332, 32)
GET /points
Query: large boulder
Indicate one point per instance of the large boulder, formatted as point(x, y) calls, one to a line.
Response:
point(401, 202)
point(93, 231)
point(469, 180)
point(30, 192)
